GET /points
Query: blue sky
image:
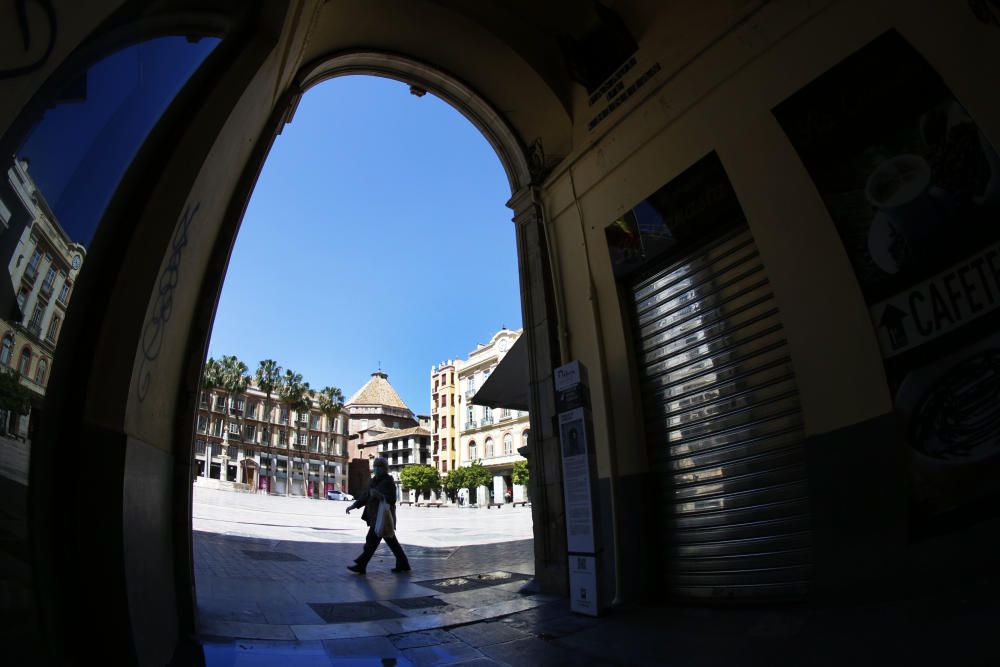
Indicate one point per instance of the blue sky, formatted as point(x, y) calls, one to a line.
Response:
point(377, 232)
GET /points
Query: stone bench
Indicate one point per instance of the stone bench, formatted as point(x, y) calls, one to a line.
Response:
point(492, 505)
point(429, 504)
point(521, 502)
point(405, 502)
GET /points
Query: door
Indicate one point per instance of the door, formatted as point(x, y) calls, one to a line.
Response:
point(723, 424)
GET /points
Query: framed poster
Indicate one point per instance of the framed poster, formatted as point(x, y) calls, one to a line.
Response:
point(913, 187)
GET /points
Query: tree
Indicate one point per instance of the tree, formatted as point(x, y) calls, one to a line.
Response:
point(268, 379)
point(331, 404)
point(292, 390)
point(15, 398)
point(521, 474)
point(211, 379)
point(478, 475)
point(455, 480)
point(234, 380)
point(420, 478)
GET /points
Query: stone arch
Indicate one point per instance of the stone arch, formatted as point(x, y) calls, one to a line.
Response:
point(422, 76)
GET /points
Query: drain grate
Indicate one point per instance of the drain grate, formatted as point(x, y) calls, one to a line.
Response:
point(353, 612)
point(272, 555)
point(472, 581)
point(419, 603)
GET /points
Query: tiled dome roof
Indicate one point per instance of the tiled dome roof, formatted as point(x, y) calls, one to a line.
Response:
point(377, 391)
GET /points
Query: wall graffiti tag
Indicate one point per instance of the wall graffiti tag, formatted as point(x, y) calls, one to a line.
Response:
point(25, 25)
point(153, 331)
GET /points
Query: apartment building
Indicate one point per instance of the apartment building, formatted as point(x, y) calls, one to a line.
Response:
point(490, 436)
point(43, 262)
point(444, 415)
point(248, 441)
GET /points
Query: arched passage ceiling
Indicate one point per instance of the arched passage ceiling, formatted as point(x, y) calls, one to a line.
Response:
point(507, 52)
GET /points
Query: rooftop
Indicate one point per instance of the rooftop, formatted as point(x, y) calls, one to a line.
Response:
point(377, 391)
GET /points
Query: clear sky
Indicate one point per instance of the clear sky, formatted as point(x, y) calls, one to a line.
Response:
point(377, 232)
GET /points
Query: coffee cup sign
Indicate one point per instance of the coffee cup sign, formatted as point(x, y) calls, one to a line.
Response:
point(909, 212)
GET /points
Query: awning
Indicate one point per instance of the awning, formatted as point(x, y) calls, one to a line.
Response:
point(507, 385)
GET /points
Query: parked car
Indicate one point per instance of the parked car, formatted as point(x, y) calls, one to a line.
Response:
point(338, 495)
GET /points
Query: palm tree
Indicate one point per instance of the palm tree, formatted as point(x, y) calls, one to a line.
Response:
point(235, 381)
point(211, 379)
point(268, 380)
point(291, 390)
point(302, 407)
point(331, 404)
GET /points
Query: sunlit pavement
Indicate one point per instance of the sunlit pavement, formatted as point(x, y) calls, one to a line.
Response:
point(273, 590)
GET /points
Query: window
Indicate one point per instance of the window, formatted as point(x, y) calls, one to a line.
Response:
point(64, 293)
point(444, 400)
point(444, 443)
point(43, 366)
point(25, 364)
point(470, 415)
point(508, 445)
point(314, 442)
point(50, 279)
point(284, 414)
point(250, 432)
point(7, 350)
point(453, 377)
point(453, 400)
point(252, 409)
point(35, 324)
point(220, 402)
point(472, 450)
point(444, 466)
point(435, 385)
point(314, 422)
point(524, 438)
point(217, 428)
point(202, 423)
point(444, 421)
point(282, 435)
point(234, 428)
point(489, 448)
point(488, 415)
point(32, 270)
point(453, 421)
point(22, 298)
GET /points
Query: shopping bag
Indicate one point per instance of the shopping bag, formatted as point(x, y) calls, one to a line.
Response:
point(383, 521)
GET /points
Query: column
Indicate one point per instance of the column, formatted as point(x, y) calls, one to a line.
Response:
point(498, 488)
point(540, 313)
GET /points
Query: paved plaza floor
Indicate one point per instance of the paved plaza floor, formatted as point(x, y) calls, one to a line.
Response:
point(275, 568)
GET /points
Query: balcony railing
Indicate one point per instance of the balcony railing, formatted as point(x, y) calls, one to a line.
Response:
point(35, 328)
point(31, 272)
point(46, 289)
point(469, 393)
point(470, 424)
point(486, 421)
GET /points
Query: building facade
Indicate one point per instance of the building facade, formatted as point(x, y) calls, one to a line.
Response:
point(490, 436)
point(401, 447)
point(444, 415)
point(372, 411)
point(43, 263)
point(249, 441)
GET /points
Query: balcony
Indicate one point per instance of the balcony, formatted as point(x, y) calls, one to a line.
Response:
point(45, 290)
point(486, 421)
point(35, 329)
point(469, 393)
point(470, 425)
point(31, 272)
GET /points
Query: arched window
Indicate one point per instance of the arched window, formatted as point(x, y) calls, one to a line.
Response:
point(24, 365)
point(508, 445)
point(43, 367)
point(489, 448)
point(472, 450)
point(7, 351)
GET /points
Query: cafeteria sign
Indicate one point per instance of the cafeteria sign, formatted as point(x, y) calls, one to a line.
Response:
point(939, 305)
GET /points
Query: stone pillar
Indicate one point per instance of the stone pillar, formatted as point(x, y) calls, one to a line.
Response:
point(498, 489)
point(540, 320)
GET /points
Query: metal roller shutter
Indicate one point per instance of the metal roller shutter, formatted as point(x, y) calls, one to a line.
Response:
point(723, 425)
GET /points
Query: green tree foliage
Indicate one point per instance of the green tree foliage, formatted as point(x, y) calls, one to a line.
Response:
point(420, 478)
point(478, 476)
point(455, 480)
point(521, 474)
point(14, 396)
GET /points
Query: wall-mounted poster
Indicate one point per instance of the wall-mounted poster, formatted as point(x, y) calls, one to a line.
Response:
point(913, 187)
point(694, 206)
